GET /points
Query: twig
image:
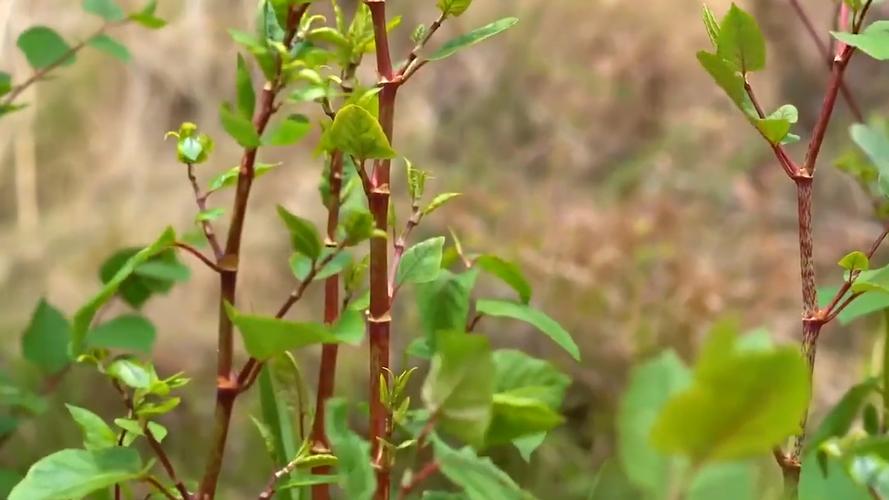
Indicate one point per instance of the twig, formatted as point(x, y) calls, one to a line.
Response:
point(400, 244)
point(415, 52)
point(279, 474)
point(197, 253)
point(424, 473)
point(158, 486)
point(829, 310)
point(790, 168)
point(201, 200)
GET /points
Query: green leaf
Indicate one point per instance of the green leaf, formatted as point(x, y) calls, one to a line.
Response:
point(85, 314)
point(358, 226)
point(873, 41)
point(8, 479)
point(538, 319)
point(725, 481)
point(265, 336)
point(711, 24)
point(287, 132)
point(146, 16)
point(460, 385)
point(475, 36)
point(728, 78)
point(210, 214)
point(479, 478)
point(834, 483)
point(444, 303)
point(651, 385)
point(5, 83)
point(421, 263)
point(77, 473)
point(356, 132)
point(355, 472)
point(303, 235)
point(106, 9)
point(874, 141)
point(170, 270)
point(110, 46)
point(777, 125)
point(278, 419)
point(741, 42)
point(508, 272)
point(130, 332)
point(229, 178)
point(44, 47)
point(96, 433)
point(307, 480)
point(244, 86)
point(872, 280)
point(439, 201)
point(742, 402)
point(841, 417)
point(302, 265)
point(854, 261)
point(45, 341)
point(130, 372)
point(453, 7)
point(240, 128)
point(515, 415)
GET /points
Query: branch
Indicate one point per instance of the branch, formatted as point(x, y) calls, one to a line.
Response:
point(425, 473)
point(830, 311)
point(838, 67)
point(415, 52)
point(201, 200)
point(400, 244)
point(279, 474)
point(790, 168)
point(158, 486)
point(203, 258)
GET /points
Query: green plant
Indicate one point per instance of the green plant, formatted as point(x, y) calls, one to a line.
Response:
point(473, 395)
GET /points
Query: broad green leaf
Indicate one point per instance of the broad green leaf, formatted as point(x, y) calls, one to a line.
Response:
point(45, 341)
point(265, 336)
point(130, 372)
point(137, 288)
point(651, 385)
point(356, 132)
point(44, 47)
point(85, 314)
point(278, 419)
point(166, 270)
point(303, 234)
point(516, 415)
point(302, 265)
point(96, 433)
point(814, 484)
point(77, 473)
point(872, 280)
point(538, 319)
point(106, 9)
point(354, 469)
point(475, 36)
point(444, 303)
point(854, 261)
point(8, 479)
point(287, 132)
point(728, 78)
point(453, 7)
point(421, 263)
point(776, 126)
point(866, 303)
point(725, 481)
point(244, 86)
point(111, 47)
point(230, 177)
point(358, 226)
point(508, 272)
point(711, 24)
point(478, 477)
point(741, 403)
point(873, 41)
point(460, 385)
point(129, 332)
point(240, 128)
point(350, 327)
point(841, 417)
point(874, 141)
point(741, 42)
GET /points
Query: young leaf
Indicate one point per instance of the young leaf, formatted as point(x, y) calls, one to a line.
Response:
point(77, 473)
point(444, 303)
point(96, 433)
point(45, 341)
point(230, 177)
point(110, 46)
point(777, 125)
point(44, 47)
point(130, 332)
point(453, 7)
point(741, 42)
point(302, 265)
point(303, 235)
point(479, 478)
point(278, 419)
point(146, 17)
point(439, 201)
point(711, 24)
point(287, 132)
point(515, 415)
point(358, 226)
point(538, 319)
point(729, 80)
point(854, 261)
point(130, 372)
point(873, 41)
point(508, 272)
point(106, 9)
point(460, 385)
point(421, 263)
point(265, 337)
point(829, 483)
point(355, 472)
point(240, 128)
point(356, 132)
point(872, 280)
point(475, 36)
point(244, 85)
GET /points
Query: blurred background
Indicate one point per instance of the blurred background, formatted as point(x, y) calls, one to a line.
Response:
point(589, 145)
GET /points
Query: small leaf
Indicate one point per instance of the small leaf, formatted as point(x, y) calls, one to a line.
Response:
point(538, 319)
point(421, 263)
point(475, 36)
point(303, 235)
point(358, 226)
point(444, 303)
point(265, 337)
point(515, 415)
point(854, 261)
point(711, 24)
point(44, 47)
point(77, 473)
point(287, 132)
point(356, 132)
point(130, 373)
point(741, 42)
point(507, 272)
point(240, 128)
point(229, 178)
point(302, 265)
point(873, 41)
point(130, 332)
point(45, 341)
point(355, 472)
point(146, 16)
point(106, 9)
point(453, 7)
point(728, 78)
point(96, 433)
point(777, 125)
point(5, 83)
point(210, 214)
point(244, 85)
point(110, 46)
point(478, 477)
point(872, 280)
point(439, 201)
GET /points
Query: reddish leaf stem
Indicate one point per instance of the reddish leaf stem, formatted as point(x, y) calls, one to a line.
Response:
point(201, 200)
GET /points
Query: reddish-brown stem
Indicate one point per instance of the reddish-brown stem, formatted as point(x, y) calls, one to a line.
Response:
point(783, 158)
point(379, 320)
point(158, 486)
point(227, 388)
point(201, 200)
point(203, 258)
point(831, 311)
point(399, 247)
point(423, 474)
point(830, 98)
point(327, 370)
point(415, 52)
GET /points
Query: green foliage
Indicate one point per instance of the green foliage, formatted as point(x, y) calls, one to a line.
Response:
point(229, 177)
point(479, 478)
point(303, 235)
point(77, 473)
point(45, 341)
point(43, 47)
point(475, 36)
point(110, 46)
point(146, 17)
point(776, 126)
point(444, 303)
point(873, 139)
point(288, 132)
point(508, 272)
point(246, 94)
point(873, 41)
point(841, 417)
point(301, 265)
point(96, 433)
point(356, 475)
point(129, 332)
point(740, 41)
point(239, 127)
point(357, 132)
point(534, 317)
point(106, 9)
point(453, 7)
point(421, 263)
point(854, 261)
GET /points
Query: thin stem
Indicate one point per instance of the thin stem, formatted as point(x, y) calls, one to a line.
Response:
point(790, 168)
point(829, 310)
point(399, 247)
point(158, 486)
point(415, 52)
point(422, 475)
point(227, 388)
point(201, 200)
point(279, 474)
point(197, 253)
point(838, 67)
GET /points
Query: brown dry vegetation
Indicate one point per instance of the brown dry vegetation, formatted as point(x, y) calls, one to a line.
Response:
point(589, 145)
